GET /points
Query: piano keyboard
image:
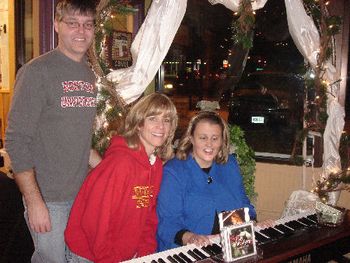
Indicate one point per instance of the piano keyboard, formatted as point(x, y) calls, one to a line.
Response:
point(184, 254)
point(284, 227)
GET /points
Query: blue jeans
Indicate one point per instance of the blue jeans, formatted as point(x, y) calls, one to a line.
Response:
point(50, 247)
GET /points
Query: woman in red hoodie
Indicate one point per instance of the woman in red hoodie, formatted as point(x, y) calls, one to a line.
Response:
point(114, 215)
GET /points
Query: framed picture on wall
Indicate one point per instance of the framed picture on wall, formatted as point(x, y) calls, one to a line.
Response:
point(115, 49)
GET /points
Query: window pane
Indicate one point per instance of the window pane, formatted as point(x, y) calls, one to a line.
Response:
point(261, 91)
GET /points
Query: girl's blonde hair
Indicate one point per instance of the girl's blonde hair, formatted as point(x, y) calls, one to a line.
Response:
point(185, 145)
point(151, 105)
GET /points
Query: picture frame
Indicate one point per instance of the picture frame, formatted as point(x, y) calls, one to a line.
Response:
point(115, 49)
point(238, 242)
point(234, 217)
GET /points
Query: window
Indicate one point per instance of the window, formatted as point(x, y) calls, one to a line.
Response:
point(261, 91)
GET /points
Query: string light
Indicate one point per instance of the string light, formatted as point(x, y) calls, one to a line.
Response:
point(335, 181)
point(110, 106)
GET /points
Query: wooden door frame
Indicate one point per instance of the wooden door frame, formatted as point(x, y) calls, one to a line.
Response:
point(47, 34)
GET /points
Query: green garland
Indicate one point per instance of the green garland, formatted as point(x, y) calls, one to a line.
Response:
point(245, 158)
point(328, 26)
point(242, 28)
point(104, 23)
point(315, 114)
point(110, 105)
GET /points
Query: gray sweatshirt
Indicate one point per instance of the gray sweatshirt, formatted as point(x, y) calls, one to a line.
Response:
point(50, 123)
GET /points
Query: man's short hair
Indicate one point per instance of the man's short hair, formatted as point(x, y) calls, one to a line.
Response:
point(83, 7)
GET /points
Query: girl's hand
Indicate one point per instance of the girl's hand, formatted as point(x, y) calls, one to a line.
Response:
point(192, 238)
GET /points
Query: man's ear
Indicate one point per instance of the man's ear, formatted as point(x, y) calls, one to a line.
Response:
point(55, 23)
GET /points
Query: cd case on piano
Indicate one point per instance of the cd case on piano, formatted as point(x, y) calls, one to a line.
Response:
point(238, 242)
point(234, 217)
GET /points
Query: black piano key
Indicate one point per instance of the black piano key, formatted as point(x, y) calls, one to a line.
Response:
point(271, 232)
point(286, 230)
point(306, 221)
point(153, 261)
point(208, 250)
point(216, 248)
point(160, 260)
point(295, 225)
point(194, 255)
point(313, 217)
point(178, 259)
point(171, 259)
point(184, 257)
point(200, 254)
point(261, 239)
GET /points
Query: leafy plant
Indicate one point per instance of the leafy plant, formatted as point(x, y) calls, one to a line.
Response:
point(245, 158)
point(242, 28)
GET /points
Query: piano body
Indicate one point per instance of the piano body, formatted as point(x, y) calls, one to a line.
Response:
point(293, 239)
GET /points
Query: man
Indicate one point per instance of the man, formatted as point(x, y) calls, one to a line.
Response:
point(50, 127)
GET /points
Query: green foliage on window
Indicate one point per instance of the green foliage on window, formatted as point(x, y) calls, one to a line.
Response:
point(243, 26)
point(245, 157)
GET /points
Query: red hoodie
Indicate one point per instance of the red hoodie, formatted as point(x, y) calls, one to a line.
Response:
point(114, 215)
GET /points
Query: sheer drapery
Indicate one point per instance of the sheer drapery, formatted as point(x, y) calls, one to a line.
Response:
point(152, 43)
point(149, 48)
point(234, 4)
point(155, 36)
point(307, 40)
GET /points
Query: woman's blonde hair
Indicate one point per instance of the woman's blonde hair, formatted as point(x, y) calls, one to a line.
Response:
point(185, 145)
point(151, 105)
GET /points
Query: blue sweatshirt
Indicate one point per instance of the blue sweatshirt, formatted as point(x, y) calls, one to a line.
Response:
point(187, 201)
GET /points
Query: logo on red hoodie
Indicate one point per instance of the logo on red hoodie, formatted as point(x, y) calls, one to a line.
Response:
point(142, 195)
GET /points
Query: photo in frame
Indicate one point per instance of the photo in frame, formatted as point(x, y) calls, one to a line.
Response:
point(238, 242)
point(115, 49)
point(234, 217)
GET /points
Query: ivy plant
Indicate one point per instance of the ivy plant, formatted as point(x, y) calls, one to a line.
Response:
point(245, 158)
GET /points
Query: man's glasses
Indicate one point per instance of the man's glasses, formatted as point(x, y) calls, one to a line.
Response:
point(76, 25)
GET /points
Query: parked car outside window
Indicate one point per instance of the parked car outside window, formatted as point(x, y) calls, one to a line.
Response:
point(268, 106)
point(256, 108)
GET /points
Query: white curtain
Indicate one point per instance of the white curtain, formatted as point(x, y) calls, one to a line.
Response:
point(307, 40)
point(156, 34)
point(152, 43)
point(149, 48)
point(234, 4)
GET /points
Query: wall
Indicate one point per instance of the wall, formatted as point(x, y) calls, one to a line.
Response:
point(7, 58)
point(275, 183)
point(4, 45)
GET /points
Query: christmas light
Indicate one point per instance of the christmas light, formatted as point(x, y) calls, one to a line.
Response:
point(110, 107)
